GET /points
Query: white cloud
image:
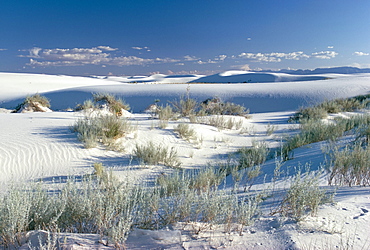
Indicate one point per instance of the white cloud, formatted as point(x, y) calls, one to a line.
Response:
point(249, 38)
point(220, 57)
point(191, 58)
point(274, 57)
point(360, 53)
point(330, 47)
point(324, 54)
point(86, 56)
point(107, 48)
point(3, 49)
point(141, 48)
point(205, 62)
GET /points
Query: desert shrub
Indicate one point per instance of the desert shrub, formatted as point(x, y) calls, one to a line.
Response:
point(38, 98)
point(315, 131)
point(194, 197)
point(311, 113)
point(154, 154)
point(186, 132)
point(220, 122)
point(115, 104)
point(81, 206)
point(350, 166)
point(87, 105)
point(329, 107)
point(104, 129)
point(207, 178)
point(166, 113)
point(32, 101)
point(255, 155)
point(270, 129)
point(186, 106)
point(214, 106)
point(303, 195)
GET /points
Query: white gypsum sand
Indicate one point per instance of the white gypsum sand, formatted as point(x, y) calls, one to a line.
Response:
point(41, 146)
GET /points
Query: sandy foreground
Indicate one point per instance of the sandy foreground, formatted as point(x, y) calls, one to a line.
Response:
point(41, 146)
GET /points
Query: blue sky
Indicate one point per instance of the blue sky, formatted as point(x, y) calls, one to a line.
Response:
point(133, 37)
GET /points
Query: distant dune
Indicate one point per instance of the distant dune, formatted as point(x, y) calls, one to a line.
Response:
point(262, 92)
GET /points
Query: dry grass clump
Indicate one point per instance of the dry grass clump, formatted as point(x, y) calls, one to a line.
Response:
point(166, 113)
point(303, 195)
point(220, 122)
point(81, 206)
point(195, 198)
point(350, 166)
point(186, 132)
point(255, 155)
point(315, 131)
point(322, 110)
point(101, 129)
point(103, 100)
point(35, 102)
point(185, 106)
point(214, 106)
point(155, 154)
point(115, 104)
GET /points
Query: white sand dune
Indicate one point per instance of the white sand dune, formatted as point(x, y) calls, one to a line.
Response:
point(41, 145)
point(66, 92)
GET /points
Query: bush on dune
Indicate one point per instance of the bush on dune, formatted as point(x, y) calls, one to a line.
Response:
point(101, 129)
point(322, 110)
point(34, 103)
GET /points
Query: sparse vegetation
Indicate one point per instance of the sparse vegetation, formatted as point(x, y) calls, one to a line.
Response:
point(350, 166)
point(304, 195)
point(214, 106)
point(114, 104)
point(101, 129)
point(35, 103)
point(186, 132)
point(155, 154)
point(103, 100)
point(322, 110)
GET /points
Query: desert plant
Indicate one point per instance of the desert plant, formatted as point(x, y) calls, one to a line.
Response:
point(214, 106)
point(154, 154)
point(207, 178)
point(87, 105)
point(32, 102)
point(220, 122)
point(255, 155)
point(350, 166)
point(321, 110)
point(186, 106)
point(304, 195)
point(115, 104)
point(103, 128)
point(186, 132)
point(166, 113)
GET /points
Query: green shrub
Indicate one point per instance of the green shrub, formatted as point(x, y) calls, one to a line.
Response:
point(329, 107)
point(215, 106)
point(255, 155)
point(220, 122)
point(315, 130)
point(304, 195)
point(186, 106)
point(115, 104)
point(32, 100)
point(154, 154)
point(104, 129)
point(166, 113)
point(350, 166)
point(186, 132)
